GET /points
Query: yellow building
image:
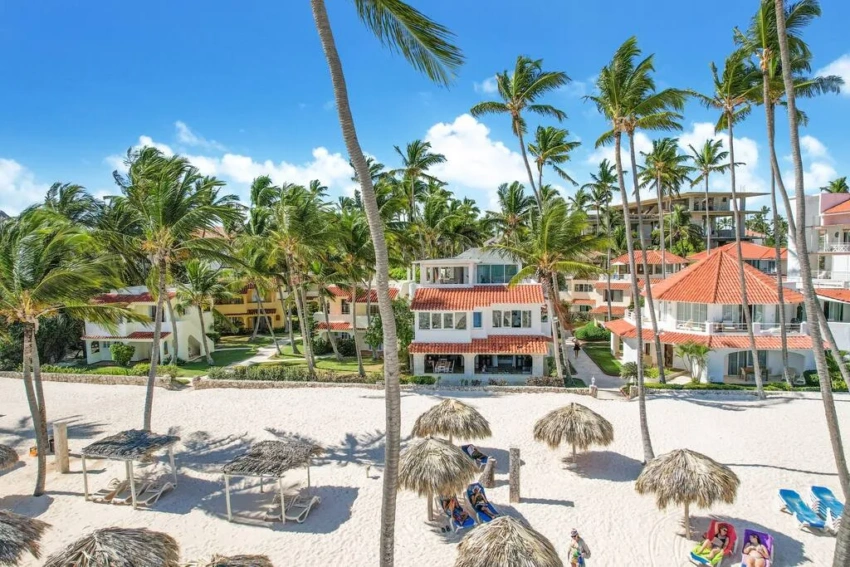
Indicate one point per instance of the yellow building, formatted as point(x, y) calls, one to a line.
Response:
point(242, 309)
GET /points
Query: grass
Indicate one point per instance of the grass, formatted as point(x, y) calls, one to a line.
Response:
point(348, 364)
point(600, 353)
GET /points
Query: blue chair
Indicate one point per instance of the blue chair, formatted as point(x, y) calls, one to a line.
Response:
point(486, 512)
point(457, 517)
point(793, 504)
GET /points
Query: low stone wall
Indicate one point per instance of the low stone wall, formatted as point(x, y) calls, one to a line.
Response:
point(102, 379)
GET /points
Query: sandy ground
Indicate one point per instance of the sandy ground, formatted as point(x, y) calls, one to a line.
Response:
point(778, 443)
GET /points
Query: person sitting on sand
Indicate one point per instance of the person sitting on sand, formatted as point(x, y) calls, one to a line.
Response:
point(756, 554)
point(715, 545)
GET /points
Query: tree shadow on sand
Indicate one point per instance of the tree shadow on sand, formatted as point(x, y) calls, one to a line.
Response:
point(26, 504)
point(604, 465)
point(787, 550)
point(744, 402)
point(205, 453)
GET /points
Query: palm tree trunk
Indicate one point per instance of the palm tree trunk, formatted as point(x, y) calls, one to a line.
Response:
point(738, 222)
point(707, 219)
point(648, 453)
point(376, 229)
point(39, 423)
point(369, 314)
point(550, 307)
point(262, 311)
point(650, 304)
point(331, 337)
point(257, 318)
point(354, 330)
point(842, 541)
point(209, 358)
point(538, 197)
point(608, 264)
point(808, 287)
point(658, 189)
point(308, 323)
point(563, 327)
point(310, 365)
point(157, 337)
point(174, 342)
point(780, 289)
point(37, 383)
point(287, 312)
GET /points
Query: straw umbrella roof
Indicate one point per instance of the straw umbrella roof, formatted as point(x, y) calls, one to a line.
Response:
point(272, 458)
point(236, 561)
point(8, 457)
point(130, 445)
point(435, 466)
point(576, 425)
point(19, 534)
point(506, 542)
point(452, 418)
point(119, 547)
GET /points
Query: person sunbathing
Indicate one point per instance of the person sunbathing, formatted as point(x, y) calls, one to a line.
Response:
point(455, 509)
point(480, 503)
point(717, 544)
point(755, 554)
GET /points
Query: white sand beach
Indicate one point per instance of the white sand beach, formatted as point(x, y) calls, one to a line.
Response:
point(774, 444)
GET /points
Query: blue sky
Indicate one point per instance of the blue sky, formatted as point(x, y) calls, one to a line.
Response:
point(243, 88)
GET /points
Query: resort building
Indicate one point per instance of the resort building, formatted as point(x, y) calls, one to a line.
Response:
point(827, 239)
point(703, 304)
point(762, 258)
point(242, 310)
point(98, 339)
point(342, 312)
point(469, 324)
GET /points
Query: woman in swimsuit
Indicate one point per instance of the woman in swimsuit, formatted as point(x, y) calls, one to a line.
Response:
point(717, 544)
point(755, 554)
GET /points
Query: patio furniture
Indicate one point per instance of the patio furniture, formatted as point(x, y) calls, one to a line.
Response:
point(748, 374)
point(129, 446)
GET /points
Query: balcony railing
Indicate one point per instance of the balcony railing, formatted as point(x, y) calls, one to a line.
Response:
point(738, 327)
point(711, 207)
point(834, 247)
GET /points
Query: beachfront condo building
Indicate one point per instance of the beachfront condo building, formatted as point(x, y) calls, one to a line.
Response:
point(344, 316)
point(242, 310)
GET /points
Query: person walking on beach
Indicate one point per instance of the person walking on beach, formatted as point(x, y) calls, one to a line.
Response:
point(578, 550)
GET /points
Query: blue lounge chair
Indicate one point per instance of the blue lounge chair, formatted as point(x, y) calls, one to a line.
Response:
point(485, 513)
point(476, 455)
point(827, 506)
point(793, 504)
point(458, 519)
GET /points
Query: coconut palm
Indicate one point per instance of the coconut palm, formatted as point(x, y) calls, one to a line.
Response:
point(710, 158)
point(200, 289)
point(550, 147)
point(427, 46)
point(416, 160)
point(506, 542)
point(581, 200)
point(683, 236)
point(696, 357)
point(510, 222)
point(47, 267)
point(19, 534)
point(730, 97)
point(119, 546)
point(838, 185)
point(576, 425)
point(601, 189)
point(519, 91)
point(452, 418)
point(72, 202)
point(685, 477)
point(842, 548)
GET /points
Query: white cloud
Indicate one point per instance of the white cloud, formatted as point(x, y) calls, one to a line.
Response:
point(813, 147)
point(487, 86)
point(817, 163)
point(116, 161)
point(747, 178)
point(187, 137)
point(840, 67)
point(18, 187)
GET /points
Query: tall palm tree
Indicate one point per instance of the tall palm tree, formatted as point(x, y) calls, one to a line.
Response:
point(416, 159)
point(684, 237)
point(47, 266)
point(730, 97)
point(169, 211)
point(842, 548)
point(710, 158)
point(551, 147)
point(601, 188)
point(427, 46)
point(200, 289)
point(510, 222)
point(581, 200)
point(838, 185)
point(519, 91)
point(72, 202)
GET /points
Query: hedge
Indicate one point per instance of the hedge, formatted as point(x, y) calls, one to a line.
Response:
point(592, 332)
point(141, 369)
point(281, 373)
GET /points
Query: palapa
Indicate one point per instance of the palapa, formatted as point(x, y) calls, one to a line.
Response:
point(130, 445)
point(19, 534)
point(575, 424)
point(235, 561)
point(687, 477)
point(119, 547)
point(506, 542)
point(434, 466)
point(452, 418)
point(8, 457)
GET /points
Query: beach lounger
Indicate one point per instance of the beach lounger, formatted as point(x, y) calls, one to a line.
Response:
point(125, 497)
point(476, 455)
point(765, 539)
point(153, 492)
point(488, 512)
point(827, 506)
point(299, 508)
point(700, 557)
point(793, 504)
point(455, 519)
point(106, 495)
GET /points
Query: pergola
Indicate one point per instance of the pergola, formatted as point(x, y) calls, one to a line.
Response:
point(129, 446)
point(270, 459)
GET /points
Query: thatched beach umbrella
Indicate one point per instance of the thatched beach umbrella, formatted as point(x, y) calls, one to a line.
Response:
point(236, 561)
point(687, 477)
point(576, 425)
point(119, 547)
point(452, 418)
point(8, 457)
point(506, 542)
point(435, 466)
point(17, 535)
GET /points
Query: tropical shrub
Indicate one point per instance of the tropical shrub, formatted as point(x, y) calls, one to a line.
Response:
point(122, 353)
point(418, 380)
point(282, 373)
point(592, 332)
point(346, 347)
point(629, 371)
point(322, 346)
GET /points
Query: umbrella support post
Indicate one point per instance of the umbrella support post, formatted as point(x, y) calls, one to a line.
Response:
point(132, 479)
point(513, 474)
point(60, 453)
point(227, 497)
point(261, 484)
point(173, 466)
point(308, 475)
point(430, 507)
point(282, 501)
point(687, 521)
point(85, 479)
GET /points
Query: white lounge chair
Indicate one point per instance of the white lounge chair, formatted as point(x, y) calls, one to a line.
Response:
point(153, 493)
point(106, 495)
point(125, 497)
point(299, 508)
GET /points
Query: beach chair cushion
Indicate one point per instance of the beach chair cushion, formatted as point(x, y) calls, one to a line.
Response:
point(455, 516)
point(486, 513)
point(824, 502)
point(765, 539)
point(701, 557)
point(795, 505)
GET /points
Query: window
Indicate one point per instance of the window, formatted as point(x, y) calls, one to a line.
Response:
point(506, 318)
point(582, 309)
point(436, 321)
point(496, 273)
point(544, 315)
point(616, 295)
point(476, 319)
point(460, 320)
point(424, 321)
point(740, 359)
point(497, 318)
point(583, 287)
point(374, 309)
point(693, 312)
point(512, 319)
point(448, 321)
point(230, 301)
point(346, 307)
point(95, 347)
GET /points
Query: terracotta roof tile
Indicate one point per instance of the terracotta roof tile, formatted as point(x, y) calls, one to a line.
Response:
point(496, 344)
point(618, 285)
point(750, 250)
point(623, 328)
point(839, 208)
point(653, 258)
point(583, 302)
point(834, 294)
point(134, 336)
point(144, 297)
point(715, 280)
point(342, 293)
point(603, 310)
point(335, 326)
point(468, 298)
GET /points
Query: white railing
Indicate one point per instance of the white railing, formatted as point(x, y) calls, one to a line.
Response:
point(834, 247)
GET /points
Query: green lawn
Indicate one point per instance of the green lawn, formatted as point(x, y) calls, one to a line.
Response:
point(600, 353)
point(348, 364)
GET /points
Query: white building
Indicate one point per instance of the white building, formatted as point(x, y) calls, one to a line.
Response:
point(703, 304)
point(471, 325)
point(98, 339)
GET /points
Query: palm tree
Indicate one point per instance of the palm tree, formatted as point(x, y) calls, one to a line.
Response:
point(842, 548)
point(510, 222)
point(730, 97)
point(710, 158)
point(416, 160)
point(838, 185)
point(201, 288)
point(72, 202)
point(684, 237)
point(581, 200)
point(519, 91)
point(47, 266)
point(550, 147)
point(601, 192)
point(170, 207)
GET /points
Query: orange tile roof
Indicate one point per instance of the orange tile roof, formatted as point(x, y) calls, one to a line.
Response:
point(335, 326)
point(603, 310)
point(619, 285)
point(496, 344)
point(583, 302)
point(839, 208)
point(624, 329)
point(342, 293)
point(144, 297)
point(653, 258)
point(468, 298)
point(750, 250)
point(715, 280)
point(134, 336)
point(834, 294)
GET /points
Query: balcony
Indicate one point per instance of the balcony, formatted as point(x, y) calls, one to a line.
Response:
point(839, 247)
point(739, 327)
point(712, 207)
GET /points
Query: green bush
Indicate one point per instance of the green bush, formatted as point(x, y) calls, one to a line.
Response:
point(281, 373)
point(121, 353)
point(214, 336)
point(651, 373)
point(322, 346)
point(418, 380)
point(346, 347)
point(629, 371)
point(141, 369)
point(592, 332)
